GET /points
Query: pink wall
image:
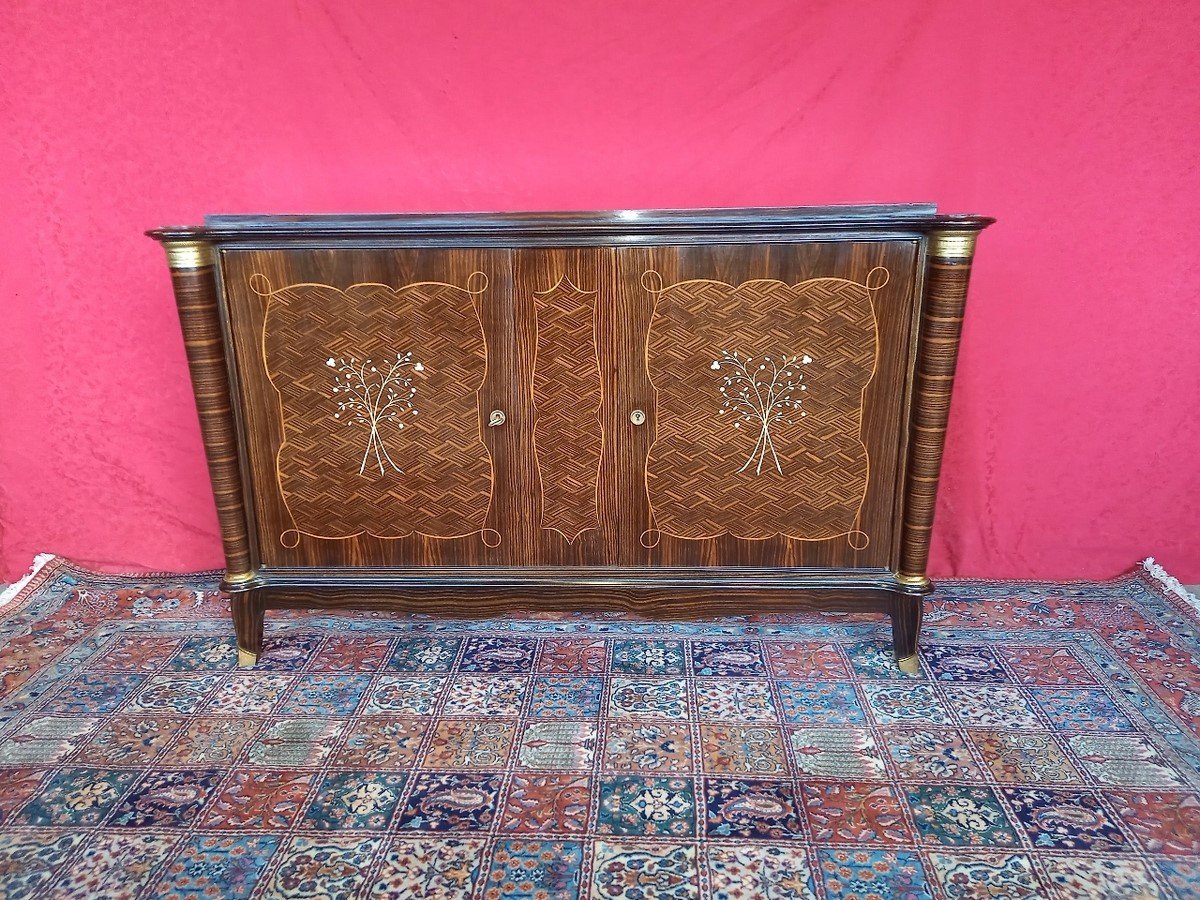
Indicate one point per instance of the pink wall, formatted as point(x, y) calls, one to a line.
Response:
point(1074, 439)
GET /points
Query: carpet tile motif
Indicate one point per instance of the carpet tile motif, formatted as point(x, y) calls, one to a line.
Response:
point(547, 804)
point(1023, 757)
point(770, 870)
point(957, 815)
point(659, 747)
point(935, 754)
point(630, 804)
point(835, 752)
point(1049, 747)
point(417, 868)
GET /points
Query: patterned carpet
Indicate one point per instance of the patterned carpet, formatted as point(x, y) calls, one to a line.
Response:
point(1048, 748)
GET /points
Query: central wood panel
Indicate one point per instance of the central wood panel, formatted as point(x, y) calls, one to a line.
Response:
point(558, 293)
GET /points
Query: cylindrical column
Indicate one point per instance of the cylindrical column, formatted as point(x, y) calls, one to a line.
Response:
point(194, 280)
point(949, 269)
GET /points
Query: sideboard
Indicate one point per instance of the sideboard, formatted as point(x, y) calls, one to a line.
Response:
point(674, 413)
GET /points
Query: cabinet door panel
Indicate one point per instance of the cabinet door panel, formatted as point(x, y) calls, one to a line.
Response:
point(559, 296)
point(376, 370)
point(777, 374)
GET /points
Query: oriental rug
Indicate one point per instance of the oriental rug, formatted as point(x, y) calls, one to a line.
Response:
point(1048, 747)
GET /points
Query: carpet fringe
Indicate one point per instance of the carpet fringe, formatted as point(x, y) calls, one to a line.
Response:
point(1170, 583)
point(10, 592)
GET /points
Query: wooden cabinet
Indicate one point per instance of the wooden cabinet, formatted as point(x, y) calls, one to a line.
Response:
point(677, 412)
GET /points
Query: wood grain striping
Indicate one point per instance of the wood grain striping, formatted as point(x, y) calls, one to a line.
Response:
point(937, 357)
point(196, 297)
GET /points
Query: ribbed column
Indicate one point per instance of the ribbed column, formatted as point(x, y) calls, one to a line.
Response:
point(194, 280)
point(949, 269)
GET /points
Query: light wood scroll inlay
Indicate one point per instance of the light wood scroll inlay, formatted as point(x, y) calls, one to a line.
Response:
point(759, 395)
point(377, 389)
point(566, 394)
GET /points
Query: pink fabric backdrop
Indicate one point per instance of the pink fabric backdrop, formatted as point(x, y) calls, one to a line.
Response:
point(1074, 437)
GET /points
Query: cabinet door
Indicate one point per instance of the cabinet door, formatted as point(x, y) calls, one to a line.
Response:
point(773, 377)
point(367, 379)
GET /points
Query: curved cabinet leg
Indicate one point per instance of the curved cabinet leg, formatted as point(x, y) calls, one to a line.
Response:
point(906, 631)
point(248, 610)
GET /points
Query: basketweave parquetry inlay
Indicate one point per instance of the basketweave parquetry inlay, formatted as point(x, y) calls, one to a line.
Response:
point(566, 395)
point(676, 412)
point(781, 452)
point(377, 391)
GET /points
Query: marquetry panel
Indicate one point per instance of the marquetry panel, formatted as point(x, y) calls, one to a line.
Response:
point(328, 489)
point(830, 324)
point(759, 396)
point(377, 389)
point(566, 399)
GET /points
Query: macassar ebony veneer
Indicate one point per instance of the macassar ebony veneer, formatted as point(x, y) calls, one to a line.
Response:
point(678, 413)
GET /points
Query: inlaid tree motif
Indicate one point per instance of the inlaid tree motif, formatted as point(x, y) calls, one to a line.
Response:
point(762, 397)
point(374, 397)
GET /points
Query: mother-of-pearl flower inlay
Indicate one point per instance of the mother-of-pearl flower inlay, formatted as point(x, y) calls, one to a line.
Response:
point(762, 397)
point(373, 397)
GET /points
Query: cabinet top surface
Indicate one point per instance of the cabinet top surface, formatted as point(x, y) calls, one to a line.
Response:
point(614, 224)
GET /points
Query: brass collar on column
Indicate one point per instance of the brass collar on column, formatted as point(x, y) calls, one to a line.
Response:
point(189, 254)
point(952, 244)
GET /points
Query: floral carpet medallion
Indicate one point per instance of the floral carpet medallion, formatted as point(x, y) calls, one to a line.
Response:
point(1047, 748)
